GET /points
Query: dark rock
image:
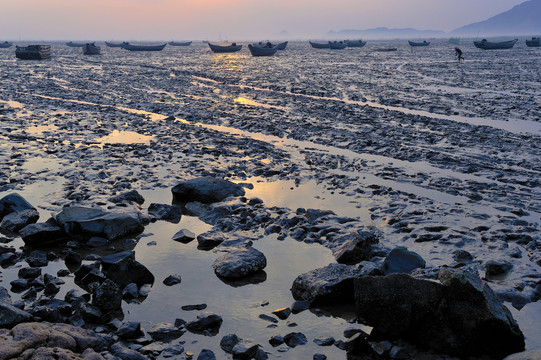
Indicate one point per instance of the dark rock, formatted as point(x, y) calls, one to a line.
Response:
point(206, 190)
point(42, 234)
point(461, 315)
point(12, 203)
point(357, 345)
point(97, 241)
point(89, 313)
point(244, 349)
point(209, 241)
point(73, 258)
point(37, 258)
point(348, 333)
point(495, 267)
point(172, 280)
point(331, 284)
point(401, 260)
point(8, 258)
point(125, 353)
point(11, 316)
point(131, 195)
point(130, 291)
point(276, 340)
point(239, 263)
point(123, 269)
point(268, 318)
point(282, 313)
point(194, 307)
point(295, 339)
point(62, 272)
point(206, 354)
point(165, 332)
point(324, 341)
point(51, 289)
point(93, 276)
point(462, 256)
point(299, 306)
point(17, 220)
point(19, 285)
point(172, 351)
point(205, 322)
point(29, 273)
point(75, 296)
point(97, 222)
point(319, 357)
point(228, 342)
point(526, 355)
point(353, 248)
point(315, 214)
point(108, 296)
point(129, 330)
point(184, 236)
point(170, 213)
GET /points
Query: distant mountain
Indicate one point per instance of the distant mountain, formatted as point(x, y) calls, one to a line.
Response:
point(385, 33)
point(523, 19)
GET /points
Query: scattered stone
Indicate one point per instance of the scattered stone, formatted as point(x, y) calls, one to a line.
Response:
point(276, 340)
point(244, 349)
point(123, 269)
point(96, 241)
point(355, 247)
point(17, 220)
point(206, 354)
point(268, 318)
point(108, 296)
point(299, 306)
point(29, 273)
point(462, 256)
point(129, 330)
point(324, 341)
point(170, 213)
point(12, 316)
point(282, 313)
point(357, 345)
point(42, 234)
point(165, 332)
point(295, 339)
point(131, 195)
point(12, 203)
point(205, 322)
point(172, 280)
point(125, 353)
point(209, 241)
point(184, 236)
point(228, 342)
point(206, 190)
point(319, 357)
point(194, 307)
point(239, 263)
point(495, 267)
point(401, 260)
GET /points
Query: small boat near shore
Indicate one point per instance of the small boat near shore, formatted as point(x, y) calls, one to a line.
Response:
point(280, 46)
point(489, 45)
point(385, 49)
point(355, 43)
point(114, 45)
point(33, 52)
point(418, 44)
point(319, 45)
point(174, 43)
point(72, 44)
point(256, 50)
point(91, 49)
point(5, 44)
point(130, 47)
point(225, 48)
point(337, 45)
point(534, 42)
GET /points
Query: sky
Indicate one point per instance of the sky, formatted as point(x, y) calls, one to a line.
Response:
point(229, 19)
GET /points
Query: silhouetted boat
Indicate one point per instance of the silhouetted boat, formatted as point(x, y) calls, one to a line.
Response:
point(337, 45)
point(117, 45)
point(5, 44)
point(488, 45)
point(130, 47)
point(72, 44)
point(262, 50)
point(416, 44)
point(385, 49)
point(225, 48)
point(174, 43)
point(355, 43)
point(91, 49)
point(319, 45)
point(282, 46)
point(33, 52)
point(534, 42)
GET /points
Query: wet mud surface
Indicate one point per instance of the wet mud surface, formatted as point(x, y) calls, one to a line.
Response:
point(433, 154)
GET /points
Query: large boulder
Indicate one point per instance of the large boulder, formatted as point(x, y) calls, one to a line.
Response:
point(331, 284)
point(353, 248)
point(16, 220)
point(85, 221)
point(42, 234)
point(12, 203)
point(123, 269)
point(206, 190)
point(401, 260)
point(459, 315)
point(10, 315)
point(238, 263)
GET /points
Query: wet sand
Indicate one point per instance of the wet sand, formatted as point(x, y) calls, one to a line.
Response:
point(403, 142)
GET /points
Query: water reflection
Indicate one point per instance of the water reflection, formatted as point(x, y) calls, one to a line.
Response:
point(125, 137)
point(229, 61)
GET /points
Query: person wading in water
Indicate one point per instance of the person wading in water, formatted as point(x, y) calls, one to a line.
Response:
point(459, 54)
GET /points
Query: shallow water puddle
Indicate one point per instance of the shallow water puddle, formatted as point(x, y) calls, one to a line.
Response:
point(125, 137)
point(244, 101)
point(40, 129)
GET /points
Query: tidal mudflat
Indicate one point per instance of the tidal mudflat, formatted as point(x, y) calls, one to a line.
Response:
point(423, 152)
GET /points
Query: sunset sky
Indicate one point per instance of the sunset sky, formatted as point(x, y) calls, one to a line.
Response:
point(229, 19)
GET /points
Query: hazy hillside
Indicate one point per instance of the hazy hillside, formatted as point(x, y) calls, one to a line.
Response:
point(523, 19)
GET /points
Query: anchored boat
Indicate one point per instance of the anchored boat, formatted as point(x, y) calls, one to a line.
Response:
point(225, 48)
point(416, 44)
point(355, 43)
point(262, 50)
point(130, 47)
point(489, 45)
point(174, 43)
point(319, 45)
point(534, 42)
point(5, 44)
point(33, 52)
point(91, 49)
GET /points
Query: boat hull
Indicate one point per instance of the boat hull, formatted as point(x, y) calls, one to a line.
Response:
point(143, 47)
point(173, 43)
point(91, 49)
point(225, 49)
point(355, 43)
point(5, 45)
point(72, 44)
point(487, 45)
point(320, 46)
point(119, 45)
point(262, 51)
point(281, 46)
point(534, 42)
point(337, 45)
point(418, 44)
point(33, 52)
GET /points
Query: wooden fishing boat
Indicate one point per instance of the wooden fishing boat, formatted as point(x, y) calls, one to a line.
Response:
point(489, 45)
point(385, 49)
point(72, 44)
point(262, 50)
point(91, 49)
point(5, 44)
point(33, 52)
point(417, 44)
point(116, 45)
point(534, 42)
point(355, 43)
point(337, 45)
point(225, 48)
point(130, 47)
point(174, 43)
point(319, 45)
point(282, 46)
